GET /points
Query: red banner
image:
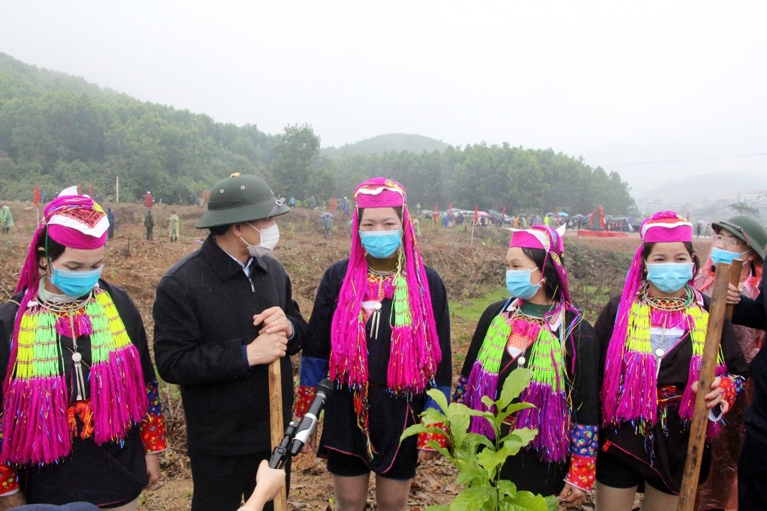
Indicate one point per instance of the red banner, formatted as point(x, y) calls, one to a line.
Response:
point(476, 214)
point(37, 196)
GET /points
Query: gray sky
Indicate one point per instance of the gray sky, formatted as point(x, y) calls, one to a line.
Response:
point(615, 82)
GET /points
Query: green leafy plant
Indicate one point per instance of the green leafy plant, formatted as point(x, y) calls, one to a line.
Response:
point(479, 459)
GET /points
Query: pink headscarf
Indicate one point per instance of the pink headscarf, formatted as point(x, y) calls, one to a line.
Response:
point(414, 360)
point(75, 221)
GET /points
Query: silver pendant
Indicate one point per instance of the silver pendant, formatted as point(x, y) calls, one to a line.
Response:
point(521, 361)
point(659, 353)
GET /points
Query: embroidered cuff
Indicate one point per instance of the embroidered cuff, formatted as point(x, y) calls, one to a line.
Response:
point(153, 397)
point(152, 431)
point(460, 389)
point(304, 397)
point(9, 481)
point(584, 442)
point(582, 472)
point(424, 438)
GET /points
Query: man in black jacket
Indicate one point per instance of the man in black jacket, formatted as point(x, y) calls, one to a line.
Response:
point(752, 465)
point(222, 315)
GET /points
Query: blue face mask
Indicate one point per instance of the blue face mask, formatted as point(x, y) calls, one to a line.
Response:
point(518, 284)
point(669, 277)
point(719, 255)
point(75, 283)
point(381, 244)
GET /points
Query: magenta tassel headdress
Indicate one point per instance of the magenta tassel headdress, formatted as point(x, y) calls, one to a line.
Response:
point(36, 394)
point(548, 387)
point(415, 351)
point(629, 390)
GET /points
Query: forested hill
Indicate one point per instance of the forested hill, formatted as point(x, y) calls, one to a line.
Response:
point(57, 130)
point(385, 143)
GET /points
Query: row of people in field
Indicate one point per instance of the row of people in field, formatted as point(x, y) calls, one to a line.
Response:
point(82, 419)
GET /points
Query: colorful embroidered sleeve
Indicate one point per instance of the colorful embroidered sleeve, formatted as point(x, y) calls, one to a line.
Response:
point(583, 457)
point(152, 428)
point(732, 385)
point(9, 479)
point(460, 389)
point(425, 438)
point(304, 397)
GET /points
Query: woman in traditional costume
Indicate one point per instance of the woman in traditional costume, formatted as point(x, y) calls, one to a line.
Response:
point(538, 327)
point(652, 338)
point(82, 419)
point(740, 237)
point(380, 329)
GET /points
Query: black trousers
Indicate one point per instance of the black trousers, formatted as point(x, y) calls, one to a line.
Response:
point(221, 483)
point(752, 474)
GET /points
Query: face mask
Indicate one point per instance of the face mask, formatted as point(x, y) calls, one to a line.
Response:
point(518, 284)
point(669, 277)
point(719, 255)
point(75, 283)
point(269, 238)
point(381, 244)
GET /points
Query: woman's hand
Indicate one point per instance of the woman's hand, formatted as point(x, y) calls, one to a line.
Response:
point(571, 496)
point(714, 397)
point(311, 443)
point(12, 501)
point(424, 455)
point(152, 469)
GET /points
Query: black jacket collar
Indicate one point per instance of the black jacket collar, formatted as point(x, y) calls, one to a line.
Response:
point(223, 264)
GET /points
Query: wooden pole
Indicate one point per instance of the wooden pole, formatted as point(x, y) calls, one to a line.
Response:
point(276, 426)
point(737, 266)
point(699, 423)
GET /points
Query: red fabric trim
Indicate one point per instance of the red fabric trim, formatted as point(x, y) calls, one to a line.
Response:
point(304, 397)
point(425, 438)
point(152, 431)
point(9, 480)
point(729, 393)
point(583, 471)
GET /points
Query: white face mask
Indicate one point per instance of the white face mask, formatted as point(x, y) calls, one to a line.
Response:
point(269, 238)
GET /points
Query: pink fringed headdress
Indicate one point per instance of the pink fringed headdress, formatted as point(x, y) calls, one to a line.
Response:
point(415, 351)
point(36, 394)
point(629, 390)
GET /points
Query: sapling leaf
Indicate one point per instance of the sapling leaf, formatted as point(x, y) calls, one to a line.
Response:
point(515, 383)
point(438, 398)
point(474, 497)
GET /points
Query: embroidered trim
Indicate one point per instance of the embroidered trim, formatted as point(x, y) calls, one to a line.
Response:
point(304, 397)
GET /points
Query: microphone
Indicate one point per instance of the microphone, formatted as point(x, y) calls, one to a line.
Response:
point(309, 421)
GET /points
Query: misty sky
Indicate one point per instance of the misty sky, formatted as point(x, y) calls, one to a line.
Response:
point(614, 82)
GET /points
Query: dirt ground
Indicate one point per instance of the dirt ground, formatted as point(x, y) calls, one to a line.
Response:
point(597, 267)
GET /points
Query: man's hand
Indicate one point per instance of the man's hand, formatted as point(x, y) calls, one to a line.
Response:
point(733, 294)
point(266, 348)
point(272, 321)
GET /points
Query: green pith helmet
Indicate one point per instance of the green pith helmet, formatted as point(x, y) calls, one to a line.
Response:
point(240, 198)
point(747, 230)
